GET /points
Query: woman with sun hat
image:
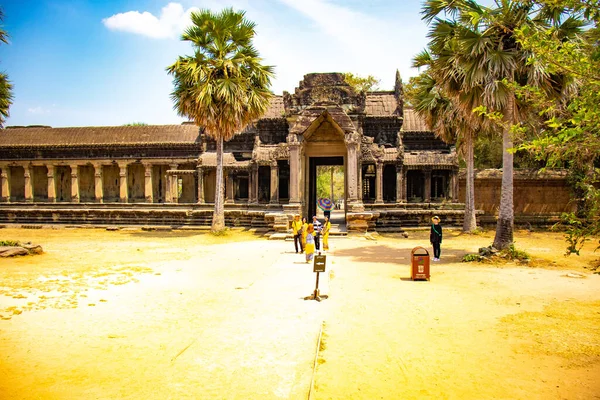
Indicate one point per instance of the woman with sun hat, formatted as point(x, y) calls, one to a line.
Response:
point(435, 237)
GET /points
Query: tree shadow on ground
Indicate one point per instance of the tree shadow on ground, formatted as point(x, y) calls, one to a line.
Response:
point(385, 254)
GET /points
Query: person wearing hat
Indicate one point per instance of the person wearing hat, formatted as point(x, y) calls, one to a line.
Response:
point(435, 237)
point(297, 229)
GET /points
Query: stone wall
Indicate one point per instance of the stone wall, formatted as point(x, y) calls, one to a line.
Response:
point(538, 197)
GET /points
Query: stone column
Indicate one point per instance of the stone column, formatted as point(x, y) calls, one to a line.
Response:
point(51, 184)
point(74, 184)
point(5, 178)
point(274, 183)
point(353, 145)
point(253, 183)
point(427, 191)
point(250, 177)
point(123, 183)
point(229, 187)
point(379, 182)
point(294, 149)
point(200, 173)
point(28, 183)
point(173, 185)
point(399, 184)
point(454, 186)
point(404, 178)
point(98, 185)
point(360, 181)
point(148, 192)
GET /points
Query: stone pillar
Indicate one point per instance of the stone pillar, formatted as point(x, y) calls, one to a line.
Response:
point(379, 182)
point(454, 186)
point(51, 184)
point(98, 188)
point(274, 183)
point(173, 185)
point(148, 192)
point(250, 177)
point(294, 149)
point(74, 184)
point(5, 178)
point(229, 187)
point(399, 184)
point(123, 183)
point(405, 182)
point(28, 183)
point(255, 182)
point(427, 191)
point(360, 181)
point(352, 141)
point(200, 173)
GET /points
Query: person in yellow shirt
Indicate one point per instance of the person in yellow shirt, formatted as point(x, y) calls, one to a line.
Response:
point(304, 232)
point(310, 243)
point(326, 228)
point(297, 229)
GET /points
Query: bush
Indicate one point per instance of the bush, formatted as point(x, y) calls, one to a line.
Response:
point(9, 243)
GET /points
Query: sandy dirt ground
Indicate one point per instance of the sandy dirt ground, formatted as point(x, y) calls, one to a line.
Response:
point(177, 315)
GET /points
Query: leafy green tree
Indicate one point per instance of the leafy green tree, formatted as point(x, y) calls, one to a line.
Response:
point(569, 135)
point(136, 124)
point(6, 95)
point(223, 86)
point(486, 63)
point(330, 182)
point(360, 83)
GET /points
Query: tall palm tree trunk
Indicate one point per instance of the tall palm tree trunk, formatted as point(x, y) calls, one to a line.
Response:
point(506, 218)
point(470, 221)
point(218, 222)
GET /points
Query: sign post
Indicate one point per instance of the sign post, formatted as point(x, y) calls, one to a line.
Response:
point(318, 266)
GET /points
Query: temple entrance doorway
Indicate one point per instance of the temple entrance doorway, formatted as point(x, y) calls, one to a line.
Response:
point(327, 180)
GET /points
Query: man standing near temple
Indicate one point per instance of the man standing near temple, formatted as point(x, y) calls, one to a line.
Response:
point(318, 227)
point(297, 229)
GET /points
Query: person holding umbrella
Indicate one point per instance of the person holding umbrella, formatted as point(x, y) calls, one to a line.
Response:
point(326, 205)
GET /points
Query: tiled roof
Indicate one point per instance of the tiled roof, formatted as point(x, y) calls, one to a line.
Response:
point(380, 104)
point(430, 158)
point(276, 108)
point(413, 122)
point(209, 159)
point(100, 135)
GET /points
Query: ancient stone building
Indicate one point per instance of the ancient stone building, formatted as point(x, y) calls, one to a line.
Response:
point(396, 172)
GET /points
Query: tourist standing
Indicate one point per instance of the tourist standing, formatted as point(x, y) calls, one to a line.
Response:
point(326, 228)
point(297, 229)
point(435, 238)
point(317, 227)
point(304, 232)
point(309, 249)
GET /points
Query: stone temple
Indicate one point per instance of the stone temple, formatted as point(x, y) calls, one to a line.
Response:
point(396, 172)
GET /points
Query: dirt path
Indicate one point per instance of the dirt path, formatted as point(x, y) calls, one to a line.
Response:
point(135, 315)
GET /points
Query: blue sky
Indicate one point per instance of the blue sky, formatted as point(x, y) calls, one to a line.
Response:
point(102, 62)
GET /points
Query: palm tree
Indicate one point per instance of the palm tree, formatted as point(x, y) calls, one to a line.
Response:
point(489, 63)
point(450, 119)
point(223, 87)
point(5, 85)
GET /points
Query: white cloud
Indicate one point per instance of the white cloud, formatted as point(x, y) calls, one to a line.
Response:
point(171, 23)
point(38, 110)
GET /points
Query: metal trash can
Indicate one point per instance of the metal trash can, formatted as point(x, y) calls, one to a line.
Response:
point(419, 261)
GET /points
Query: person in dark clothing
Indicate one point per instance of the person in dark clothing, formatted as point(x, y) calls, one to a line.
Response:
point(435, 238)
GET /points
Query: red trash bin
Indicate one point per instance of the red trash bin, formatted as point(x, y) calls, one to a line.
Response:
point(419, 261)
